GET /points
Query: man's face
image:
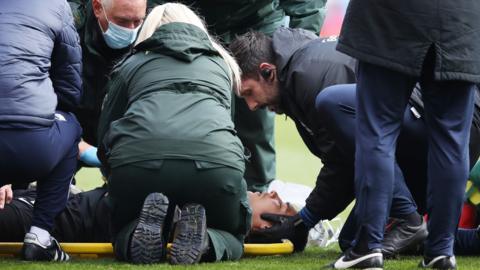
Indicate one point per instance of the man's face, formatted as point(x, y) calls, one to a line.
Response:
point(260, 93)
point(125, 13)
point(267, 203)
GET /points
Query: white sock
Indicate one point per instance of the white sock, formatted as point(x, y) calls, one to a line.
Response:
point(42, 235)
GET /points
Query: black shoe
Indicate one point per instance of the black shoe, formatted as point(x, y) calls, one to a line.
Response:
point(402, 237)
point(190, 240)
point(33, 250)
point(373, 260)
point(439, 262)
point(148, 244)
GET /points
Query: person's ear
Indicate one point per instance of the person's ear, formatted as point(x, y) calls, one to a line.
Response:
point(97, 8)
point(267, 71)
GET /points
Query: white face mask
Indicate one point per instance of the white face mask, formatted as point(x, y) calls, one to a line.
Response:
point(118, 37)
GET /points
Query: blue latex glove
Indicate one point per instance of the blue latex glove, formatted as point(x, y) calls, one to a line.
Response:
point(90, 158)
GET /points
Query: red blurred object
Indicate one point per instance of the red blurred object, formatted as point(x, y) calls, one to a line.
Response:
point(334, 18)
point(468, 219)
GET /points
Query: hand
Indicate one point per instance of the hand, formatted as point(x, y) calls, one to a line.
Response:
point(284, 227)
point(6, 195)
point(82, 146)
point(88, 154)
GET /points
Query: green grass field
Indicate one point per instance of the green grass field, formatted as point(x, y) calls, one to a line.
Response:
point(294, 164)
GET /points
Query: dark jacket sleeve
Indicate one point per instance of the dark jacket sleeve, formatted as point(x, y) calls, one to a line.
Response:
point(334, 189)
point(308, 84)
point(330, 66)
point(308, 139)
point(67, 65)
point(333, 192)
point(306, 14)
point(114, 107)
point(79, 11)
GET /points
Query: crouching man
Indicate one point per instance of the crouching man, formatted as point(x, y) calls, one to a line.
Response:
point(289, 74)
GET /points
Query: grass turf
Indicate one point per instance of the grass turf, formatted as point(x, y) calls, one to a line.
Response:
point(312, 258)
point(295, 164)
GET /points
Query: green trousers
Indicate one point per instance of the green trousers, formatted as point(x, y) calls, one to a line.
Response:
point(256, 131)
point(220, 189)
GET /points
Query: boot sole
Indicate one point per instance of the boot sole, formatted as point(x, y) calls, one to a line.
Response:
point(147, 244)
point(189, 243)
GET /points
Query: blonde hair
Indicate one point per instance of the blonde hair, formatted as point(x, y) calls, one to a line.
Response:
point(176, 12)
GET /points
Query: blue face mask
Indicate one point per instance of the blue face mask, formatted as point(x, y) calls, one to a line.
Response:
point(118, 37)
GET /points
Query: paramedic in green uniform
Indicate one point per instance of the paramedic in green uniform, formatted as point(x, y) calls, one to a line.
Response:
point(166, 131)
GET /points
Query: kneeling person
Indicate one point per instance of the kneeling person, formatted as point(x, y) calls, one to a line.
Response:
point(167, 139)
point(40, 87)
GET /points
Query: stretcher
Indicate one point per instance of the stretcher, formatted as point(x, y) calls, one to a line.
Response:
point(96, 250)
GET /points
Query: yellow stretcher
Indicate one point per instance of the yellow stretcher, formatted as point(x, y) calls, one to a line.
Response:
point(95, 250)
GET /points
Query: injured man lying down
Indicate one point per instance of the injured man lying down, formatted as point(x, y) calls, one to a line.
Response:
point(86, 217)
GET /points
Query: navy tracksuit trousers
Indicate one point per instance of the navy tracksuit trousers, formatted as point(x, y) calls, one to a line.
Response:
point(47, 155)
point(336, 108)
point(382, 96)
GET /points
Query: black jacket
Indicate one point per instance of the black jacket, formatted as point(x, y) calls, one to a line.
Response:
point(398, 34)
point(86, 217)
point(298, 53)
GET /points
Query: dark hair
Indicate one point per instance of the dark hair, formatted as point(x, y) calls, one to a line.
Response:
point(250, 50)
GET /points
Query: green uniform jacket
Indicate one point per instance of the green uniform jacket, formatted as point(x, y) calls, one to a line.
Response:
point(170, 100)
point(228, 18)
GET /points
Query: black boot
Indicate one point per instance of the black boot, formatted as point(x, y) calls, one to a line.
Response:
point(148, 243)
point(190, 240)
point(403, 236)
point(439, 262)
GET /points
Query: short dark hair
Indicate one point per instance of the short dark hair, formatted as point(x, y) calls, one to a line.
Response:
point(250, 50)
